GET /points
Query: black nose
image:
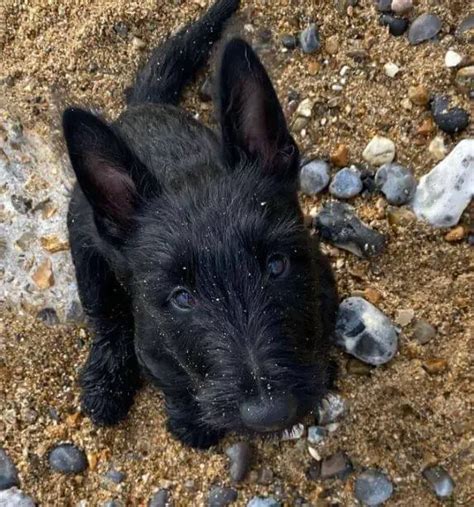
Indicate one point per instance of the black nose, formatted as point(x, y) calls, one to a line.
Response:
point(269, 414)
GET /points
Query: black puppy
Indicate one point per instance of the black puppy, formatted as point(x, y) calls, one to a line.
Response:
point(191, 256)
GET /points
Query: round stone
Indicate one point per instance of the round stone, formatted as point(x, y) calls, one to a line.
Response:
point(450, 120)
point(401, 6)
point(67, 459)
point(289, 41)
point(439, 481)
point(423, 331)
point(240, 456)
point(380, 150)
point(373, 487)
point(8, 472)
point(220, 497)
point(13, 497)
point(314, 177)
point(396, 182)
point(396, 26)
point(346, 183)
point(309, 39)
point(424, 28)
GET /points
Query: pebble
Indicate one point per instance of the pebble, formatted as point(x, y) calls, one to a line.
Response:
point(338, 224)
point(404, 317)
point(336, 466)
point(53, 244)
point(43, 277)
point(115, 476)
point(346, 183)
point(295, 433)
point(260, 501)
point(450, 120)
point(437, 148)
point(13, 497)
point(332, 44)
point(444, 193)
point(396, 26)
point(309, 39)
point(240, 456)
point(67, 459)
point(424, 27)
point(305, 108)
point(160, 499)
point(456, 234)
point(289, 41)
point(384, 5)
point(340, 156)
point(380, 150)
point(396, 182)
point(439, 481)
point(363, 331)
point(465, 79)
point(332, 408)
point(220, 497)
point(372, 295)
point(373, 487)
point(356, 367)
point(465, 30)
point(391, 69)
point(401, 6)
point(452, 59)
point(418, 95)
point(314, 177)
point(316, 434)
point(435, 366)
point(138, 43)
point(265, 477)
point(423, 331)
point(8, 472)
point(48, 316)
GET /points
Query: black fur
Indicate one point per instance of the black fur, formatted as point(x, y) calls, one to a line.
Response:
point(163, 202)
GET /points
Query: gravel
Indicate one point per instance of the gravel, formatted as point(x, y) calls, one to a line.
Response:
point(346, 183)
point(423, 331)
point(67, 459)
point(314, 177)
point(373, 487)
point(309, 39)
point(396, 182)
point(220, 497)
point(336, 466)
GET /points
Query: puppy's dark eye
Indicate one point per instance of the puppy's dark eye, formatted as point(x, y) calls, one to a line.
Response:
point(277, 265)
point(183, 299)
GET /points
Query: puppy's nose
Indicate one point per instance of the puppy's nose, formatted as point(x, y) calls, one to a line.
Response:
point(268, 414)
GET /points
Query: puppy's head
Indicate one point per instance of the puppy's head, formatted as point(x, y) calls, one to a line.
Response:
point(223, 273)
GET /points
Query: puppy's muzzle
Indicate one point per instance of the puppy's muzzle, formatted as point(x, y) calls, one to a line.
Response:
point(268, 414)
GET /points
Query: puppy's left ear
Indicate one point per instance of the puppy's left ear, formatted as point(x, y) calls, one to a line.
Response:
point(252, 121)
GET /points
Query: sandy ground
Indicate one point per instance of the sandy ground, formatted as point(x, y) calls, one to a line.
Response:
point(401, 417)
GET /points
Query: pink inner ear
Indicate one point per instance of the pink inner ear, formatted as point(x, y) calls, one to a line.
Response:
point(114, 189)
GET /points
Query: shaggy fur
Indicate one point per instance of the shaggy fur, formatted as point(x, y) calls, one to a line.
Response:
point(191, 256)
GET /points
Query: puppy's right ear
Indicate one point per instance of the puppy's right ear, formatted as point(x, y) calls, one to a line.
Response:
point(103, 165)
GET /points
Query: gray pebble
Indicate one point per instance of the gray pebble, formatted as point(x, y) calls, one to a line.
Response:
point(8, 472)
point(48, 316)
point(314, 177)
point(396, 182)
point(373, 487)
point(466, 29)
point(423, 331)
point(332, 408)
point(115, 476)
point(309, 39)
point(260, 501)
point(289, 41)
point(338, 224)
point(439, 480)
point(396, 26)
point(384, 5)
point(67, 459)
point(450, 120)
point(316, 434)
point(266, 476)
point(13, 497)
point(160, 499)
point(220, 497)
point(240, 457)
point(346, 183)
point(363, 331)
point(336, 466)
point(424, 27)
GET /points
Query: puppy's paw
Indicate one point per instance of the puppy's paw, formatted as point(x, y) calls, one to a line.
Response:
point(106, 407)
point(192, 435)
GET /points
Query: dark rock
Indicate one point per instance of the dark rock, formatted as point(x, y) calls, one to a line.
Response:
point(8, 472)
point(220, 497)
point(289, 41)
point(309, 39)
point(365, 332)
point(439, 481)
point(373, 487)
point(266, 476)
point(384, 5)
point(396, 26)
point(240, 458)
point(160, 499)
point(115, 476)
point(450, 120)
point(396, 182)
point(314, 471)
point(338, 224)
point(424, 28)
point(67, 459)
point(336, 466)
point(48, 316)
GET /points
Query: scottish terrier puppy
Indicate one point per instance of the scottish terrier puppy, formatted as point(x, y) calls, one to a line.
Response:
point(191, 255)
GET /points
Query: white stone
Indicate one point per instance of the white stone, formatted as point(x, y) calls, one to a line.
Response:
point(437, 148)
point(452, 59)
point(13, 497)
point(391, 69)
point(305, 108)
point(379, 151)
point(444, 193)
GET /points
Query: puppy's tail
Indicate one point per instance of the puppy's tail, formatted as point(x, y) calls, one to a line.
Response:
point(173, 64)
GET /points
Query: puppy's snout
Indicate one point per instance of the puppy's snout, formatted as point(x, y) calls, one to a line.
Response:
point(269, 414)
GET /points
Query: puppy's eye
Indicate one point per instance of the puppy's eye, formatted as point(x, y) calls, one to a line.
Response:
point(277, 265)
point(183, 299)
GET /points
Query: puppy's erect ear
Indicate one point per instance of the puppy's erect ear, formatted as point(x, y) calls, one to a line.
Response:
point(251, 117)
point(103, 165)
